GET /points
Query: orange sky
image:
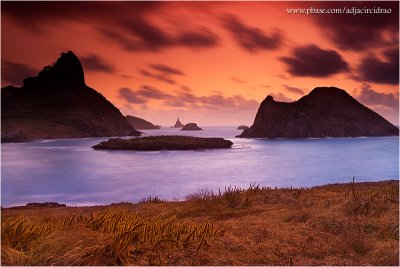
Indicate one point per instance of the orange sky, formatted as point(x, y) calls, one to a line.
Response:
point(208, 62)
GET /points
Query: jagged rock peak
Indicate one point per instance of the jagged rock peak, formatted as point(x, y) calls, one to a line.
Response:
point(67, 70)
point(178, 124)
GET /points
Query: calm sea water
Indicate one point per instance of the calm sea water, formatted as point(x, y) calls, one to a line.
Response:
point(71, 172)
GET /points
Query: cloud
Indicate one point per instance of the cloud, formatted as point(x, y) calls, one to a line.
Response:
point(37, 16)
point(295, 90)
point(127, 24)
point(166, 69)
point(375, 70)
point(186, 99)
point(163, 73)
point(361, 31)
point(130, 97)
point(141, 35)
point(150, 92)
point(250, 38)
point(14, 73)
point(146, 35)
point(314, 62)
point(238, 80)
point(160, 76)
point(372, 98)
point(199, 39)
point(92, 62)
point(143, 95)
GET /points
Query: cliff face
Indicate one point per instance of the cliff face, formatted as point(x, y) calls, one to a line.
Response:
point(324, 112)
point(58, 104)
point(139, 123)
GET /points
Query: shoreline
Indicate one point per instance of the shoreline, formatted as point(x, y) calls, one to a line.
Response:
point(175, 133)
point(361, 183)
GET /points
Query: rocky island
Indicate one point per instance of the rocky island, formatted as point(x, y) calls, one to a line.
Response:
point(141, 124)
point(191, 127)
point(324, 112)
point(154, 143)
point(57, 103)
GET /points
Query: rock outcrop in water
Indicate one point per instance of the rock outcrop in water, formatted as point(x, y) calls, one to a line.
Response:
point(191, 127)
point(57, 103)
point(178, 124)
point(46, 205)
point(324, 112)
point(170, 142)
point(141, 124)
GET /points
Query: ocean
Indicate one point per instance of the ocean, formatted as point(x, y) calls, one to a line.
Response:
point(71, 172)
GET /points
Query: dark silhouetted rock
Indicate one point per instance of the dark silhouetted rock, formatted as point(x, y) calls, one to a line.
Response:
point(191, 127)
point(140, 124)
point(242, 127)
point(178, 124)
point(58, 104)
point(46, 205)
point(152, 143)
point(324, 112)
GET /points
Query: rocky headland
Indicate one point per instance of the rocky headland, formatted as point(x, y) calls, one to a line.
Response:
point(57, 103)
point(324, 112)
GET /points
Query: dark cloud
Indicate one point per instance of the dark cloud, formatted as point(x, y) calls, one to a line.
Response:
point(181, 98)
point(14, 73)
point(144, 36)
point(370, 97)
point(361, 31)
point(37, 15)
point(142, 95)
point(125, 23)
point(200, 39)
point(375, 70)
point(150, 92)
point(93, 62)
point(314, 62)
point(295, 90)
point(166, 69)
point(158, 76)
point(130, 96)
point(250, 38)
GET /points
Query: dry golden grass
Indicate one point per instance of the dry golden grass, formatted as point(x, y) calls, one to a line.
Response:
point(347, 224)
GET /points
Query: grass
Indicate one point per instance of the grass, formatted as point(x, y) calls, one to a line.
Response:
point(343, 224)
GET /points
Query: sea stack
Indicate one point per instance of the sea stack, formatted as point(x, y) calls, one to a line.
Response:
point(191, 127)
point(57, 103)
point(178, 124)
point(324, 112)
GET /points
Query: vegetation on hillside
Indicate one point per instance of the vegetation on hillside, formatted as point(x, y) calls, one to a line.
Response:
point(348, 224)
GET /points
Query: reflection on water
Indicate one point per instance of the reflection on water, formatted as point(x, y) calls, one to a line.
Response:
point(69, 171)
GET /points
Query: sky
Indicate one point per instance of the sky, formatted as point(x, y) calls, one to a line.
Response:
point(211, 63)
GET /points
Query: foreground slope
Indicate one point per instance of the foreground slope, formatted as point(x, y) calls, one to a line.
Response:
point(329, 225)
point(324, 112)
point(57, 103)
